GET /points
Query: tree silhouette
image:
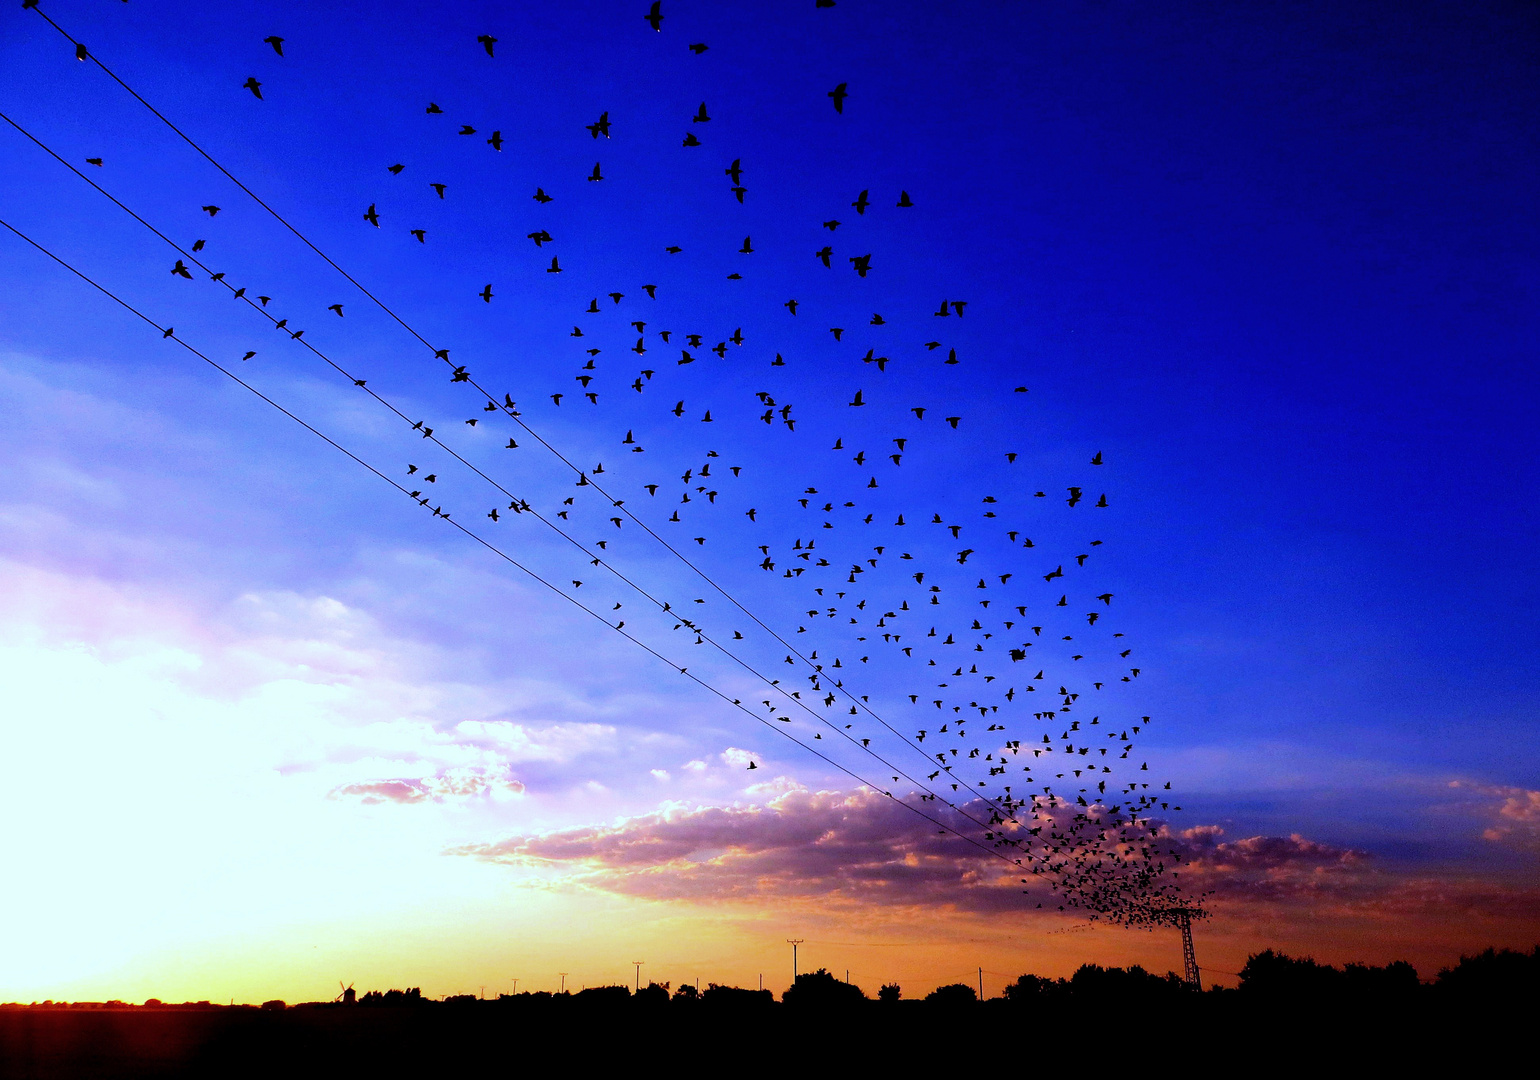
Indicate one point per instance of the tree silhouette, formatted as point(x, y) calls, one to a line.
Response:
point(819, 988)
point(953, 994)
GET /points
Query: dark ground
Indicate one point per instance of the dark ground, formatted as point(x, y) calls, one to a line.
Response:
point(440, 1039)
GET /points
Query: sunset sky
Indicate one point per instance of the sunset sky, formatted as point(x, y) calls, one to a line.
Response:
point(266, 724)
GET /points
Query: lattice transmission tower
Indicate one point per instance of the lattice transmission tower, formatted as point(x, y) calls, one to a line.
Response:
point(1182, 919)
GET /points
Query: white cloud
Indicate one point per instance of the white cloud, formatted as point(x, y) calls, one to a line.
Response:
point(738, 758)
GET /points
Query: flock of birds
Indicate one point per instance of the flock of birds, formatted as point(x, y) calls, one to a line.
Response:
point(951, 604)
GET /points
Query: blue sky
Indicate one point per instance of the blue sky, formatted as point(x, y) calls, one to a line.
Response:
point(1276, 266)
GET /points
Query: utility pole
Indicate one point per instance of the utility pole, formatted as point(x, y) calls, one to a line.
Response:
point(515, 986)
point(638, 964)
point(981, 984)
point(483, 993)
point(563, 975)
point(761, 983)
point(794, 942)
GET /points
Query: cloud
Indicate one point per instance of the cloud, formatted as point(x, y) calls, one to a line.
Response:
point(863, 849)
point(838, 848)
point(739, 759)
point(1514, 813)
point(517, 742)
point(771, 788)
point(451, 784)
point(843, 848)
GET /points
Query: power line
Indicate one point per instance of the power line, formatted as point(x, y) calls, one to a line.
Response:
point(443, 354)
point(169, 332)
point(461, 375)
point(521, 506)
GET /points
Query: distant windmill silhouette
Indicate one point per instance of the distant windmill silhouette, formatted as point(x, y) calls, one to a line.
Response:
point(347, 997)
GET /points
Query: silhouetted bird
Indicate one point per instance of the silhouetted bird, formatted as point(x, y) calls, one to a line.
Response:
point(254, 86)
point(487, 41)
point(276, 43)
point(839, 94)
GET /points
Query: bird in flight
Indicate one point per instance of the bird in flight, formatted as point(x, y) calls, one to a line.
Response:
point(903, 199)
point(861, 264)
point(94, 161)
point(540, 196)
point(839, 94)
point(700, 116)
point(335, 307)
point(654, 15)
point(496, 141)
point(395, 170)
point(276, 43)
point(433, 108)
point(554, 268)
point(254, 86)
point(487, 41)
point(600, 126)
point(438, 188)
point(824, 254)
point(735, 171)
point(371, 217)
point(690, 139)
point(421, 235)
point(211, 210)
point(861, 203)
point(699, 47)
point(597, 175)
